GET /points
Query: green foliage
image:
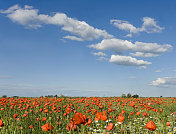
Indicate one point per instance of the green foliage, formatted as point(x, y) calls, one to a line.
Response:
point(123, 96)
point(128, 95)
point(4, 96)
point(135, 96)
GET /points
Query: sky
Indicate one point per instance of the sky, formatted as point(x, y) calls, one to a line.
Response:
point(87, 47)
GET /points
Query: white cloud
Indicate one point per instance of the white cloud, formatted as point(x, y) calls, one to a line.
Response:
point(102, 58)
point(73, 38)
point(29, 17)
point(119, 45)
point(141, 54)
point(124, 25)
point(99, 54)
point(164, 82)
point(149, 26)
point(128, 60)
point(11, 9)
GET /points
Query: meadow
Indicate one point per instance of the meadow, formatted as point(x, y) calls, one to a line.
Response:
point(87, 115)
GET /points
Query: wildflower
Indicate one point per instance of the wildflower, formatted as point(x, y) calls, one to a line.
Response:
point(44, 119)
point(31, 126)
point(1, 123)
point(79, 118)
point(151, 126)
point(103, 117)
point(72, 127)
point(110, 126)
point(89, 121)
point(120, 118)
point(24, 115)
point(168, 124)
point(47, 127)
point(15, 116)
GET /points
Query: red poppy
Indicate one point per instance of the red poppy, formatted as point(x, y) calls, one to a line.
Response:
point(15, 116)
point(120, 118)
point(168, 124)
point(72, 127)
point(31, 126)
point(79, 118)
point(46, 111)
point(47, 127)
point(110, 126)
point(24, 115)
point(103, 117)
point(41, 109)
point(151, 126)
point(145, 114)
point(89, 121)
point(44, 119)
point(1, 123)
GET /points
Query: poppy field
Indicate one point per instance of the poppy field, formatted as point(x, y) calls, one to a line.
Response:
point(87, 115)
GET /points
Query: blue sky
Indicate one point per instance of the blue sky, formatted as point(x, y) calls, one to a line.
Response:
point(87, 47)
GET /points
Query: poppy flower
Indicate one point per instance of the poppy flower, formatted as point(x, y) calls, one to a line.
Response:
point(24, 115)
point(131, 113)
point(151, 126)
point(72, 127)
point(145, 114)
point(15, 116)
point(89, 121)
point(79, 118)
point(46, 111)
point(138, 113)
point(44, 119)
point(31, 126)
point(1, 123)
point(47, 127)
point(110, 126)
point(120, 118)
point(98, 116)
point(168, 124)
point(41, 109)
point(103, 117)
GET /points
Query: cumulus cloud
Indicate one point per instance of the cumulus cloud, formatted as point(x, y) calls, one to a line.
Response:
point(73, 38)
point(128, 60)
point(101, 58)
point(29, 17)
point(164, 82)
point(119, 45)
point(149, 26)
point(99, 54)
point(124, 25)
point(141, 54)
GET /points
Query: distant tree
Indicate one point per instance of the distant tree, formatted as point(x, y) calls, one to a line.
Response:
point(135, 96)
point(15, 96)
point(161, 96)
point(4, 96)
point(123, 96)
point(55, 95)
point(50, 96)
point(128, 95)
point(62, 95)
